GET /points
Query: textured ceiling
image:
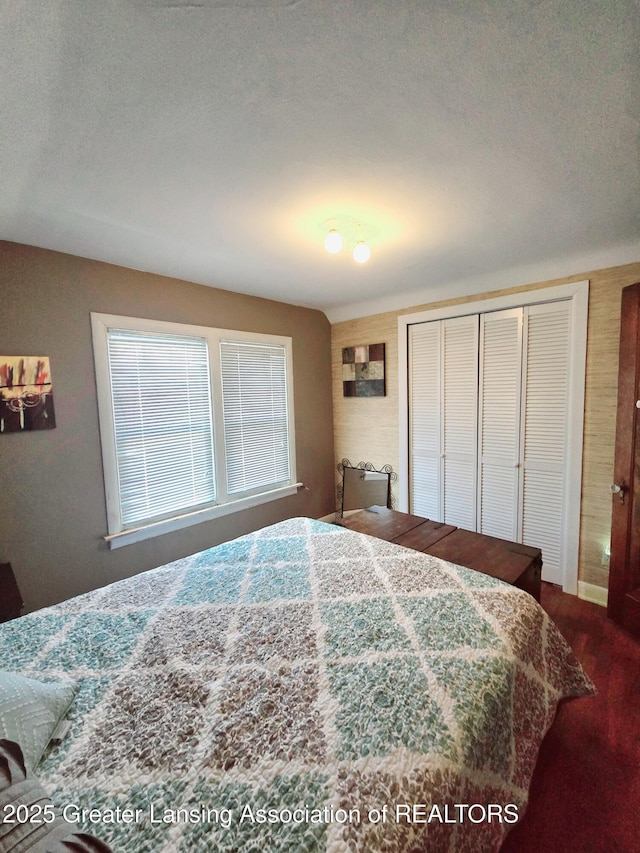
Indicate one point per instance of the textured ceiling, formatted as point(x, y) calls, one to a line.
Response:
point(470, 142)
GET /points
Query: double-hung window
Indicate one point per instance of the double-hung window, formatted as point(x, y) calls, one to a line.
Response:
point(195, 423)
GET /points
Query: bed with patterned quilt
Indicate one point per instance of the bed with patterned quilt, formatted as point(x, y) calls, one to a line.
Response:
point(300, 688)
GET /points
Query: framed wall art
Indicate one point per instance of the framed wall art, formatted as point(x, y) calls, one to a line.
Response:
point(363, 371)
point(26, 393)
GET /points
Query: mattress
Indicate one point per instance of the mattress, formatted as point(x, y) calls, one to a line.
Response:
point(301, 688)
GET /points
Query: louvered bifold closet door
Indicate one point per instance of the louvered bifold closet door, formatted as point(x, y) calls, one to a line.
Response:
point(544, 431)
point(460, 419)
point(425, 490)
point(499, 422)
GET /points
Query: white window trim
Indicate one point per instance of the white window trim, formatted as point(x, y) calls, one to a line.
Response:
point(117, 536)
point(578, 293)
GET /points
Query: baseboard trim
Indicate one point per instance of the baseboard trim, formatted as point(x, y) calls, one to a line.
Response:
point(593, 593)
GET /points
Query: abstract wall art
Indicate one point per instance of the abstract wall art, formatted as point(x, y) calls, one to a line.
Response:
point(363, 371)
point(26, 393)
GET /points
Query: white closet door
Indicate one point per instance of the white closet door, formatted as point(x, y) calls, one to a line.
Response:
point(460, 420)
point(425, 491)
point(544, 432)
point(499, 422)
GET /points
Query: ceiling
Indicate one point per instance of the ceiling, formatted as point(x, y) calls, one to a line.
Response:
point(471, 142)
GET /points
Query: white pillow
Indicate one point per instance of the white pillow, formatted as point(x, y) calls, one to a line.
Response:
point(30, 711)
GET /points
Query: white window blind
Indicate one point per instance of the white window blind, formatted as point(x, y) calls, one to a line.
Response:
point(255, 414)
point(163, 429)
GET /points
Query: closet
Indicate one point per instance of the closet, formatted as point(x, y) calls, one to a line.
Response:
point(488, 417)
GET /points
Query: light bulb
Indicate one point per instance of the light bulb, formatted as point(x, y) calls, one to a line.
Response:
point(361, 253)
point(333, 242)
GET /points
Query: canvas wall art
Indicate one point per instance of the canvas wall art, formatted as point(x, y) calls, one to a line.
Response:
point(26, 393)
point(363, 371)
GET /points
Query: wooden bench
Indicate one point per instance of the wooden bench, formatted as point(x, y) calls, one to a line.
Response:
point(518, 565)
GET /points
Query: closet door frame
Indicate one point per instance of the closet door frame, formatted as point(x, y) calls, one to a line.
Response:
point(578, 295)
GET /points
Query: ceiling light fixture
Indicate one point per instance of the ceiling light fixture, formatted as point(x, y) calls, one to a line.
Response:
point(333, 242)
point(361, 252)
point(355, 233)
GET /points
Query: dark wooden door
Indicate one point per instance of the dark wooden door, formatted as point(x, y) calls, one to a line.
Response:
point(624, 570)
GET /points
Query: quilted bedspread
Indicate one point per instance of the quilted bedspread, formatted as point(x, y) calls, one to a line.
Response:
point(301, 688)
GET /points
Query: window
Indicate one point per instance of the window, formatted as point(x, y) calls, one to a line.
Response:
point(195, 423)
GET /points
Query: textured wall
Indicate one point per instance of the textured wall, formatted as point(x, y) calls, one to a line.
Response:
point(367, 429)
point(52, 505)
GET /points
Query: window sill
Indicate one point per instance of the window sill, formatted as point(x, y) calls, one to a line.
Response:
point(178, 522)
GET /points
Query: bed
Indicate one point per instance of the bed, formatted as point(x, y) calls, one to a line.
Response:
point(301, 688)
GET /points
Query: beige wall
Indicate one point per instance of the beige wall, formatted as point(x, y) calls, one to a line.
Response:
point(367, 429)
point(52, 506)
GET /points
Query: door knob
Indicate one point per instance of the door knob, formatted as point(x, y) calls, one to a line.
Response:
point(619, 489)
